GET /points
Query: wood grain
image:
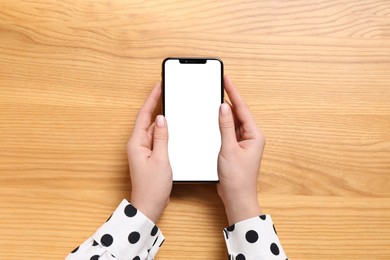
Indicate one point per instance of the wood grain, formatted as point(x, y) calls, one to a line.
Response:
point(316, 75)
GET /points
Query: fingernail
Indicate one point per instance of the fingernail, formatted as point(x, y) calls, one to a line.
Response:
point(225, 109)
point(160, 121)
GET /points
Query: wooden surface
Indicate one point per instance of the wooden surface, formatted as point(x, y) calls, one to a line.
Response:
point(316, 74)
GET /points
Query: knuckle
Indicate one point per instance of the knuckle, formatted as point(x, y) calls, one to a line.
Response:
point(161, 159)
point(261, 137)
point(131, 152)
point(227, 124)
point(129, 145)
point(131, 148)
point(227, 149)
point(160, 135)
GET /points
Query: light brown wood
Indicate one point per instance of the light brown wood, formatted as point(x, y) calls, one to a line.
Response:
point(316, 75)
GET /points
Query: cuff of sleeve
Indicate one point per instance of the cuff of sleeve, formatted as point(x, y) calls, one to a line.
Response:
point(128, 233)
point(254, 238)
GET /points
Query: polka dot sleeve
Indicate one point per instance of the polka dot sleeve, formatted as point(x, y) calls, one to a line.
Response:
point(254, 238)
point(127, 234)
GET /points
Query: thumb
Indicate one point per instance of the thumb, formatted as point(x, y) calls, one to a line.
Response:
point(160, 137)
point(226, 126)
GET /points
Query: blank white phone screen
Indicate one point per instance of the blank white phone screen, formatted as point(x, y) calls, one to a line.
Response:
point(192, 94)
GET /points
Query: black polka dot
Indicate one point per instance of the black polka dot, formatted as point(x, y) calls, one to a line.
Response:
point(162, 243)
point(274, 229)
point(154, 231)
point(106, 240)
point(231, 228)
point(274, 249)
point(134, 237)
point(109, 218)
point(226, 234)
point(130, 211)
point(136, 258)
point(263, 217)
point(95, 257)
point(240, 257)
point(95, 243)
point(75, 250)
point(251, 236)
point(155, 241)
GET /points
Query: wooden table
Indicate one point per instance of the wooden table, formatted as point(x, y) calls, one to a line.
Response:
point(316, 75)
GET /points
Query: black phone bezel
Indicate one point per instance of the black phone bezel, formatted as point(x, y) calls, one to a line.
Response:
point(189, 60)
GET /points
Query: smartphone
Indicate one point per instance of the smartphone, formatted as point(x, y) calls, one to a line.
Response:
point(192, 92)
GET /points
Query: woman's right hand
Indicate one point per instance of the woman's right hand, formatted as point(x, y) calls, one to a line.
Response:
point(147, 151)
point(239, 158)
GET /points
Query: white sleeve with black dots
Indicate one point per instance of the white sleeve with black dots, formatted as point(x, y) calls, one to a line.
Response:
point(254, 238)
point(127, 234)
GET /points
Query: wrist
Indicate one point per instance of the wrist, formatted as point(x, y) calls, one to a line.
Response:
point(150, 209)
point(239, 209)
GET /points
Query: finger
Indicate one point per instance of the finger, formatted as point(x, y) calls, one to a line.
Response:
point(226, 126)
point(236, 122)
point(150, 134)
point(240, 109)
point(160, 138)
point(144, 116)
